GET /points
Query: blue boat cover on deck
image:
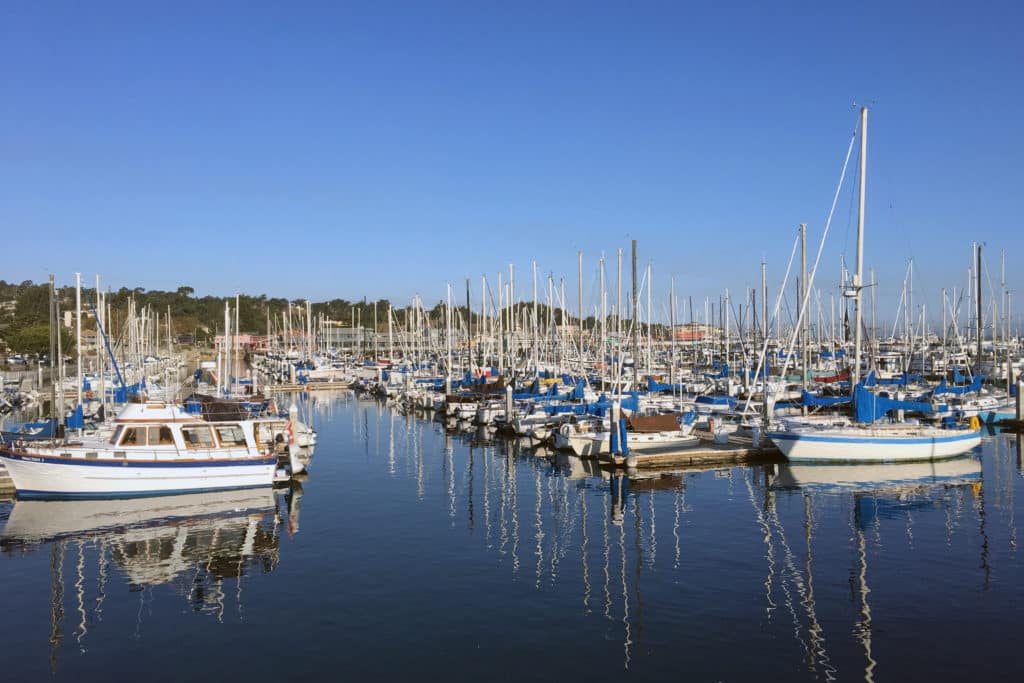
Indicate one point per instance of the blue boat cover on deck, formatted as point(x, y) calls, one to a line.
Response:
point(809, 399)
point(869, 406)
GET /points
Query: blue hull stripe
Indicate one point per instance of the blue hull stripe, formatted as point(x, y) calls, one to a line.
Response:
point(61, 495)
point(894, 440)
point(160, 464)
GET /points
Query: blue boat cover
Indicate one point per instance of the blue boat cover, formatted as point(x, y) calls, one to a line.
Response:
point(870, 407)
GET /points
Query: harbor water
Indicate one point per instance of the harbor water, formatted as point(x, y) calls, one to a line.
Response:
point(412, 551)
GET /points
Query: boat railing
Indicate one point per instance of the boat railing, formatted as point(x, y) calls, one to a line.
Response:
point(78, 451)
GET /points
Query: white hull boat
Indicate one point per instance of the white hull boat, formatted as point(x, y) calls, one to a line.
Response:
point(155, 449)
point(873, 443)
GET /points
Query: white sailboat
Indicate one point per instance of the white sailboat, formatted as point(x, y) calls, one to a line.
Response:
point(871, 442)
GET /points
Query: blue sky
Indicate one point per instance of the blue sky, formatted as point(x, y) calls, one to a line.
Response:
point(381, 149)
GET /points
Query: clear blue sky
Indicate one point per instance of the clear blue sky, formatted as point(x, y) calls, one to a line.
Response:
point(381, 149)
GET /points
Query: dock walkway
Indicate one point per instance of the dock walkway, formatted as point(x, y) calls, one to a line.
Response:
point(704, 454)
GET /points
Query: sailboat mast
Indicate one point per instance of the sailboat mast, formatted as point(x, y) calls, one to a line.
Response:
point(978, 325)
point(636, 329)
point(579, 259)
point(858, 276)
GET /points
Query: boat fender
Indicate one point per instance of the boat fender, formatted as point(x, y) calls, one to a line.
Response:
point(975, 423)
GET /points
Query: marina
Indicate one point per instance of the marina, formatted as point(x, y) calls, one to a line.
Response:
point(462, 548)
point(528, 342)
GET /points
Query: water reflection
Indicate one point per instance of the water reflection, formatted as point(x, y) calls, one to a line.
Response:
point(192, 543)
point(646, 570)
point(629, 534)
point(872, 491)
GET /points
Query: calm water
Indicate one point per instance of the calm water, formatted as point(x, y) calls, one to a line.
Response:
point(430, 555)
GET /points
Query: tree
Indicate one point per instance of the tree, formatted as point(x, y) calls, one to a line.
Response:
point(36, 339)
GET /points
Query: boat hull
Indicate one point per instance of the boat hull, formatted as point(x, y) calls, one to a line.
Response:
point(44, 477)
point(822, 446)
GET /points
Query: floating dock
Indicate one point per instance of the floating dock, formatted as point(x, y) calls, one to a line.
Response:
point(309, 386)
point(704, 454)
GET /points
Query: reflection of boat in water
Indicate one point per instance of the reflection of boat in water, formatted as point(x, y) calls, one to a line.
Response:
point(38, 521)
point(875, 492)
point(191, 543)
point(206, 537)
point(877, 477)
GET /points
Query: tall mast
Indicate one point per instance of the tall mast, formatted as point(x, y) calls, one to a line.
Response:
point(672, 331)
point(978, 325)
point(579, 265)
point(536, 322)
point(650, 339)
point(802, 317)
point(78, 339)
point(764, 299)
point(618, 308)
point(54, 335)
point(601, 341)
point(100, 358)
point(448, 340)
point(858, 276)
point(636, 327)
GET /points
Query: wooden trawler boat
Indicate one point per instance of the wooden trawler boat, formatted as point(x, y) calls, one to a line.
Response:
point(156, 449)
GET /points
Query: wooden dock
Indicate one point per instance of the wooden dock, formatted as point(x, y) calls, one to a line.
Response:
point(704, 454)
point(309, 386)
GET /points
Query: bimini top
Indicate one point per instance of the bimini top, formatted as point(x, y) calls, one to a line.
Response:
point(155, 412)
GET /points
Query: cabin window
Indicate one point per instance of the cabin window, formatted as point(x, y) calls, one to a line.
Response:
point(160, 436)
point(134, 436)
point(198, 436)
point(117, 435)
point(264, 432)
point(230, 435)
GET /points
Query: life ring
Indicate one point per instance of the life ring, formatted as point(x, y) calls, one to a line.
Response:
point(88, 394)
point(975, 423)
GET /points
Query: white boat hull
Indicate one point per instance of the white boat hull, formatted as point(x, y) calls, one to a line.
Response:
point(46, 477)
point(873, 445)
point(581, 443)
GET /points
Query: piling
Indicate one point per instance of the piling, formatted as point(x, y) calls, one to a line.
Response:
point(508, 405)
point(6, 484)
point(1020, 389)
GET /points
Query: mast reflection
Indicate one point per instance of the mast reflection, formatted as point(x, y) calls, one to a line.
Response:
point(191, 543)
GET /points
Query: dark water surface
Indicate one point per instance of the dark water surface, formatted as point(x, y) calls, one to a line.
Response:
point(421, 555)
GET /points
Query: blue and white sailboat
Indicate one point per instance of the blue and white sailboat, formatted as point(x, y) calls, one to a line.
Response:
point(867, 439)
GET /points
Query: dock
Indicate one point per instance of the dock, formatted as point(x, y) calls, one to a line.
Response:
point(309, 386)
point(704, 454)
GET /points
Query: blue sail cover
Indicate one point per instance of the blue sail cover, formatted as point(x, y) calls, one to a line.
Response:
point(809, 399)
point(901, 381)
point(869, 406)
point(716, 400)
point(944, 388)
point(655, 387)
point(630, 401)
